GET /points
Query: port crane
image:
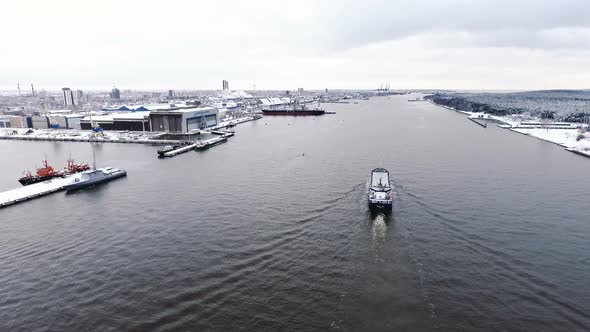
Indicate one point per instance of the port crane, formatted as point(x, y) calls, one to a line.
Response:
point(96, 129)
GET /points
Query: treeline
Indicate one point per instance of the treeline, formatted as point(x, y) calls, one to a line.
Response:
point(462, 104)
point(534, 104)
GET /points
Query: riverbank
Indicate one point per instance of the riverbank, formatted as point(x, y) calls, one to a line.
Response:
point(566, 138)
point(74, 135)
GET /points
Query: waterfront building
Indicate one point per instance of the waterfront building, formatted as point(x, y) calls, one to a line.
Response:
point(184, 120)
point(132, 121)
point(5, 122)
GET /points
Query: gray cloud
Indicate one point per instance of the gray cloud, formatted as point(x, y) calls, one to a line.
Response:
point(499, 23)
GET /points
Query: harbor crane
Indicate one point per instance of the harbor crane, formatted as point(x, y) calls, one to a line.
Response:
point(96, 129)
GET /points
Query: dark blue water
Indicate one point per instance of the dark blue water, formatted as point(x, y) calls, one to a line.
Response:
point(490, 231)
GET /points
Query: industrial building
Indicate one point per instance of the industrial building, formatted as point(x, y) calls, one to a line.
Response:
point(132, 121)
point(39, 121)
point(5, 122)
point(18, 122)
point(183, 120)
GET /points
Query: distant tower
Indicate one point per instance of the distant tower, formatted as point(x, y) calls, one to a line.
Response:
point(32, 90)
point(77, 97)
point(68, 97)
point(171, 93)
point(18, 87)
point(225, 85)
point(115, 93)
point(326, 90)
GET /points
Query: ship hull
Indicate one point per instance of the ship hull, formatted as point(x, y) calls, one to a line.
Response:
point(90, 183)
point(25, 181)
point(384, 207)
point(294, 113)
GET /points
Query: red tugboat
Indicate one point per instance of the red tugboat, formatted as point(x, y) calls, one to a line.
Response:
point(73, 168)
point(44, 173)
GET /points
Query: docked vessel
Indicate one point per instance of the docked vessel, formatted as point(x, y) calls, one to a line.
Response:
point(211, 142)
point(43, 174)
point(380, 192)
point(96, 176)
point(167, 148)
point(294, 110)
point(72, 167)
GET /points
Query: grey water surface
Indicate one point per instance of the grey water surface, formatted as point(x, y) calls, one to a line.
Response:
point(270, 232)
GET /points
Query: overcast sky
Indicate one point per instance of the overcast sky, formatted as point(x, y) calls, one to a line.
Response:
point(170, 44)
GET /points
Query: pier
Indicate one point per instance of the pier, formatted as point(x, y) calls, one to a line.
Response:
point(35, 190)
point(200, 145)
point(89, 139)
point(485, 125)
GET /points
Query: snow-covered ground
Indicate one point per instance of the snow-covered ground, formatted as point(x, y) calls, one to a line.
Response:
point(76, 135)
point(567, 138)
point(108, 136)
point(35, 190)
point(564, 137)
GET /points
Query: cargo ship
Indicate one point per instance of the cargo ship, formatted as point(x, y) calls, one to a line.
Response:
point(94, 177)
point(294, 110)
point(380, 192)
point(43, 174)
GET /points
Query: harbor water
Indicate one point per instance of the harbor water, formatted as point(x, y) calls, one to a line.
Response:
point(490, 230)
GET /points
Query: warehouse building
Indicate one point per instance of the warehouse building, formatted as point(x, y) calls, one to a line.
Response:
point(184, 120)
point(39, 122)
point(5, 122)
point(132, 121)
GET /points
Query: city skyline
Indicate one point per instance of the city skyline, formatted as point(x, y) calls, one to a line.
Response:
point(516, 45)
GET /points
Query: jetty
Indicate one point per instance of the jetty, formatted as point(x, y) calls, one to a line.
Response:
point(35, 190)
point(199, 145)
point(485, 125)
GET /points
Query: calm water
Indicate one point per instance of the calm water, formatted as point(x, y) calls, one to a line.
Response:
point(490, 231)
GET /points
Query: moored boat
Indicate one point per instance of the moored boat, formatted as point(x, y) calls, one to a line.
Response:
point(73, 167)
point(380, 191)
point(42, 174)
point(94, 177)
point(293, 110)
point(167, 148)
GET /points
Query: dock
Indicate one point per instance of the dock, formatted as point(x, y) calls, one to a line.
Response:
point(210, 142)
point(180, 150)
point(35, 190)
point(88, 139)
point(200, 145)
point(485, 125)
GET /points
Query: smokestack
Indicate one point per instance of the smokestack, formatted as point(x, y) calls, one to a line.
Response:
point(32, 90)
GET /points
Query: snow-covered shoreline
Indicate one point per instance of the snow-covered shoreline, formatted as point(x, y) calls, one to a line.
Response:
point(566, 138)
point(74, 135)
